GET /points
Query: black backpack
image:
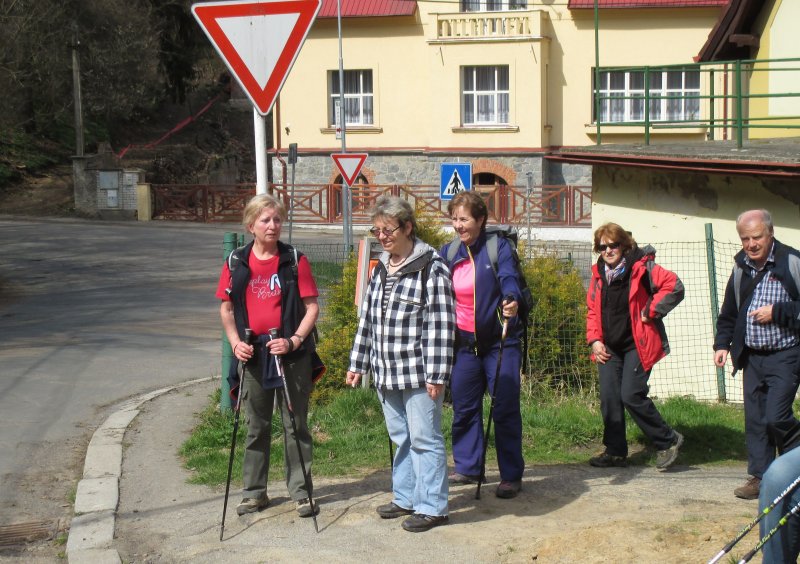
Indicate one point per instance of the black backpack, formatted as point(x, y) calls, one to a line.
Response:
point(509, 233)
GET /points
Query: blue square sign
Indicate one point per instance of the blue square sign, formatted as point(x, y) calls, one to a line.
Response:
point(454, 178)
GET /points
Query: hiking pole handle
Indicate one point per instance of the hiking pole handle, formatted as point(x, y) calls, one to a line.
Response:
point(273, 334)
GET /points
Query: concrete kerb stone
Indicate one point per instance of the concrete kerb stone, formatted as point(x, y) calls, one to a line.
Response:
point(91, 533)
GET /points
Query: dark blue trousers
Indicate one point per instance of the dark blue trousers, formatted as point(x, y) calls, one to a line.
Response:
point(770, 385)
point(471, 376)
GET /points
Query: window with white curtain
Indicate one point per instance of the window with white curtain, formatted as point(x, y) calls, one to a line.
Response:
point(358, 97)
point(622, 95)
point(484, 95)
point(493, 5)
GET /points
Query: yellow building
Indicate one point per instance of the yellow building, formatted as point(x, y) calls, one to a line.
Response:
point(499, 83)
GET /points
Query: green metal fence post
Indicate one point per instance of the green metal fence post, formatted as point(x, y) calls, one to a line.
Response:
point(739, 105)
point(646, 105)
point(712, 286)
point(711, 107)
point(229, 243)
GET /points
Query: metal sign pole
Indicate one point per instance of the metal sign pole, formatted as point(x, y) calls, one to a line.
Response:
point(260, 130)
point(347, 218)
point(292, 161)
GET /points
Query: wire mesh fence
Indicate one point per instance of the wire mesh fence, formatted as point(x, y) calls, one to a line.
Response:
point(559, 272)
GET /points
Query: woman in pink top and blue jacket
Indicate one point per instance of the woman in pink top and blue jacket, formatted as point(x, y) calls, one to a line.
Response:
point(483, 300)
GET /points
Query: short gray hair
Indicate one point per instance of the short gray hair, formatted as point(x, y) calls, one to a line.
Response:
point(395, 208)
point(766, 218)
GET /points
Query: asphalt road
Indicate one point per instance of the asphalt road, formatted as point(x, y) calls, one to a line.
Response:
point(91, 313)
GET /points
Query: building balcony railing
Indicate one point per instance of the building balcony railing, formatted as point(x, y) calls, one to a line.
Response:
point(734, 97)
point(515, 25)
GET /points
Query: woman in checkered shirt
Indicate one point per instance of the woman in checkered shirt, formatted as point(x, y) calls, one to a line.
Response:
point(405, 338)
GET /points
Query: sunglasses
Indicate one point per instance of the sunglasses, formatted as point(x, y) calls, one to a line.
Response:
point(611, 246)
point(386, 232)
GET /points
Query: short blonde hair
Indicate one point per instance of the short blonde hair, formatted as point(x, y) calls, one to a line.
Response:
point(259, 203)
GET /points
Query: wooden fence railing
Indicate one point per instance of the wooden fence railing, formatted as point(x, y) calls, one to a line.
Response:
point(546, 205)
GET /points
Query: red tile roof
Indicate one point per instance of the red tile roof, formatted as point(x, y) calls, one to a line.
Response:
point(368, 8)
point(574, 4)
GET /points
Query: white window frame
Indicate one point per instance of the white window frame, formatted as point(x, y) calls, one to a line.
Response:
point(494, 95)
point(364, 99)
point(492, 5)
point(631, 107)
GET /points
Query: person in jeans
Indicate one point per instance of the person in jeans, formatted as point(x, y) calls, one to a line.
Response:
point(627, 299)
point(405, 338)
point(270, 287)
point(759, 326)
point(784, 546)
point(484, 299)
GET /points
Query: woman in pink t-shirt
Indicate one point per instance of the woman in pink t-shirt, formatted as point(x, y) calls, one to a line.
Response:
point(267, 287)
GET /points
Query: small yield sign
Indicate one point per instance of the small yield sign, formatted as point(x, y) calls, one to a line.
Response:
point(349, 165)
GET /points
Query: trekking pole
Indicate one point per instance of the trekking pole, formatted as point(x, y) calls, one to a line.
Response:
point(793, 511)
point(248, 338)
point(482, 476)
point(273, 334)
point(755, 521)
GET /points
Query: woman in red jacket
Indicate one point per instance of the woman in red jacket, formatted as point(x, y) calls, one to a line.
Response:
point(628, 297)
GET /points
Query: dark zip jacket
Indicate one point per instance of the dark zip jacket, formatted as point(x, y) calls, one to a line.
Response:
point(292, 307)
point(732, 320)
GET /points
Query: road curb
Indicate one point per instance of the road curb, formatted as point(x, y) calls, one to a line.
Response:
point(91, 533)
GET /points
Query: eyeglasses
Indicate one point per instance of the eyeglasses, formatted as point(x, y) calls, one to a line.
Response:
point(611, 246)
point(386, 232)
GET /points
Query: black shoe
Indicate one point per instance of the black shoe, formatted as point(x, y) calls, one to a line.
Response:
point(392, 511)
point(419, 523)
point(606, 460)
point(508, 489)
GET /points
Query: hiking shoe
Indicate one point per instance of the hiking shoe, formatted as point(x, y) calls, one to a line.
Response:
point(419, 523)
point(459, 478)
point(606, 460)
point(508, 489)
point(251, 505)
point(750, 489)
point(665, 458)
point(304, 508)
point(392, 510)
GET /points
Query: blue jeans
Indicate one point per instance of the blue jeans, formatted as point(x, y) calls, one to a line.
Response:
point(784, 546)
point(419, 474)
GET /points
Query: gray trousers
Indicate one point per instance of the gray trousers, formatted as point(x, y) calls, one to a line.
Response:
point(258, 405)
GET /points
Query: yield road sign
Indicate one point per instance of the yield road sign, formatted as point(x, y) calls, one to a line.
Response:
point(258, 41)
point(349, 165)
point(454, 178)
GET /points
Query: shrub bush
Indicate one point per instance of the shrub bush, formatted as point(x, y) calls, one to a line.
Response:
point(557, 354)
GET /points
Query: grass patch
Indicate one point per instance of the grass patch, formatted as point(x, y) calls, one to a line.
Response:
point(350, 435)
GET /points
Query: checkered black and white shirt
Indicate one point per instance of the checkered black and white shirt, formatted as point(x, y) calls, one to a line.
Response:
point(412, 342)
point(768, 336)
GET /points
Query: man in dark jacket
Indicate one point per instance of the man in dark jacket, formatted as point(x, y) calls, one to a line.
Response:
point(759, 326)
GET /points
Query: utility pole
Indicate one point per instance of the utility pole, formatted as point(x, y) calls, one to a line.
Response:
point(76, 91)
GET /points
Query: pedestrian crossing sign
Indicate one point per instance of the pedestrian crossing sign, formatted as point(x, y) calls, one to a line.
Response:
point(454, 178)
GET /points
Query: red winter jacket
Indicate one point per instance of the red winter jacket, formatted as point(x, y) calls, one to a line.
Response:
point(654, 291)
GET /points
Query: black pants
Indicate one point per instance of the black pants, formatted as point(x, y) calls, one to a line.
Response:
point(770, 385)
point(623, 385)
